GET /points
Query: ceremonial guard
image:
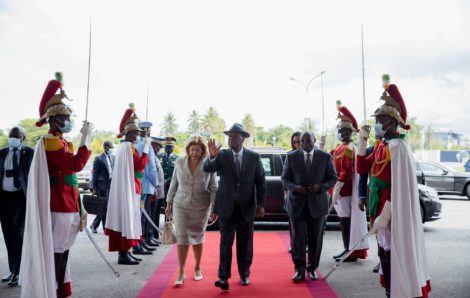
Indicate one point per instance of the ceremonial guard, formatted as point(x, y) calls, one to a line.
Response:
point(394, 203)
point(353, 222)
point(168, 160)
point(53, 214)
point(123, 222)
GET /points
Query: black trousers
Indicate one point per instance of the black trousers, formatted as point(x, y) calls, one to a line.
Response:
point(12, 216)
point(306, 230)
point(243, 229)
point(156, 216)
point(101, 217)
point(147, 228)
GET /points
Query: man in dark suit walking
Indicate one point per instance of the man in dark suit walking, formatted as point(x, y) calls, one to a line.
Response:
point(240, 197)
point(308, 173)
point(102, 173)
point(15, 161)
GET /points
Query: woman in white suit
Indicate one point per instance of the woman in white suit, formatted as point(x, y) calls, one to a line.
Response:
point(190, 202)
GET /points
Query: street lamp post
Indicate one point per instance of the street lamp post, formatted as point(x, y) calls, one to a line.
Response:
point(306, 87)
point(274, 142)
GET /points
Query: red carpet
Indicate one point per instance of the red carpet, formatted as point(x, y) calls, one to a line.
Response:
point(271, 273)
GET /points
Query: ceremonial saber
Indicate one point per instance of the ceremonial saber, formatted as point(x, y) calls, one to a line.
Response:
point(100, 252)
point(151, 221)
point(88, 82)
point(347, 255)
point(147, 107)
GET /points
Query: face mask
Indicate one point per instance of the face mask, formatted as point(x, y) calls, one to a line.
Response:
point(379, 129)
point(68, 126)
point(109, 151)
point(338, 137)
point(138, 139)
point(14, 142)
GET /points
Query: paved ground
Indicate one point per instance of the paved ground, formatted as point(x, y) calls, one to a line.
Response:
point(447, 241)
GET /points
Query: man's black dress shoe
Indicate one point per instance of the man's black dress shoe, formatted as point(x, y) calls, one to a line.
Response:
point(151, 243)
point(339, 256)
point(222, 284)
point(134, 257)
point(298, 276)
point(141, 251)
point(244, 281)
point(146, 247)
point(376, 268)
point(156, 240)
point(13, 281)
point(93, 229)
point(126, 260)
point(7, 277)
point(312, 275)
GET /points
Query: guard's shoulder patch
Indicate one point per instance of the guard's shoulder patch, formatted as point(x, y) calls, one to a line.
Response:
point(349, 152)
point(52, 143)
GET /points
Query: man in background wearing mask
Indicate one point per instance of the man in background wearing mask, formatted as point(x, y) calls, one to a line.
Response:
point(353, 222)
point(123, 220)
point(102, 173)
point(168, 160)
point(54, 213)
point(157, 145)
point(393, 202)
point(15, 161)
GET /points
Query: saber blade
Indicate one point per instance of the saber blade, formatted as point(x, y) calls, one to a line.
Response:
point(151, 221)
point(88, 81)
point(101, 253)
point(347, 255)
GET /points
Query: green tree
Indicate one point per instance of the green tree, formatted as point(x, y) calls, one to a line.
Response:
point(169, 126)
point(250, 126)
point(213, 126)
point(3, 139)
point(194, 122)
point(280, 136)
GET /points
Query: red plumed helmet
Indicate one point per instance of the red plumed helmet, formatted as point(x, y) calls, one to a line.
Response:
point(125, 117)
point(393, 91)
point(346, 116)
point(50, 91)
point(129, 121)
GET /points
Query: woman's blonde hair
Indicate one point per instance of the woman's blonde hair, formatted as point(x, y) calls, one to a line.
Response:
point(196, 140)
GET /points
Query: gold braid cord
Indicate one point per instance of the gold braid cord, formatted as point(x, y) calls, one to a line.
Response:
point(381, 164)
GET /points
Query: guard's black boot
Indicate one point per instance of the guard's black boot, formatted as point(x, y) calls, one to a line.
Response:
point(345, 244)
point(125, 259)
point(60, 263)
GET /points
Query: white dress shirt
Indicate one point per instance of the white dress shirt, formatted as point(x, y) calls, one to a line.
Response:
point(311, 155)
point(7, 183)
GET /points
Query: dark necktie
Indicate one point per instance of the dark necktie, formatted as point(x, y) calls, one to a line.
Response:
point(16, 179)
point(308, 163)
point(237, 164)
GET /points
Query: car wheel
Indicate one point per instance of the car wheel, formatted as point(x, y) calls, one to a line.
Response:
point(467, 191)
point(423, 217)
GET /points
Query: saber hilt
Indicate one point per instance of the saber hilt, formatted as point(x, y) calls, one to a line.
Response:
point(100, 252)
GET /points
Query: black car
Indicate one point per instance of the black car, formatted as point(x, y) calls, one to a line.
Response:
point(444, 179)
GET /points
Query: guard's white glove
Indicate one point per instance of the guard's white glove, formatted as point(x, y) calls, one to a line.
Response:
point(86, 131)
point(336, 190)
point(382, 221)
point(146, 145)
point(363, 136)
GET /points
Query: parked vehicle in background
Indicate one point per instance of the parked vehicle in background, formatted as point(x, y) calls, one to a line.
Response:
point(84, 177)
point(444, 179)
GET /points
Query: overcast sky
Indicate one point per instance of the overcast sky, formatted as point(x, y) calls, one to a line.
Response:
point(236, 56)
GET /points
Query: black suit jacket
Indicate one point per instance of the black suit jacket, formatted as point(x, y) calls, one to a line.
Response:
point(101, 178)
point(26, 157)
point(249, 189)
point(295, 173)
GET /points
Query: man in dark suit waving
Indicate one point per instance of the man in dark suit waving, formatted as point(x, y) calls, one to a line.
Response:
point(240, 197)
point(308, 173)
point(15, 161)
point(102, 173)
